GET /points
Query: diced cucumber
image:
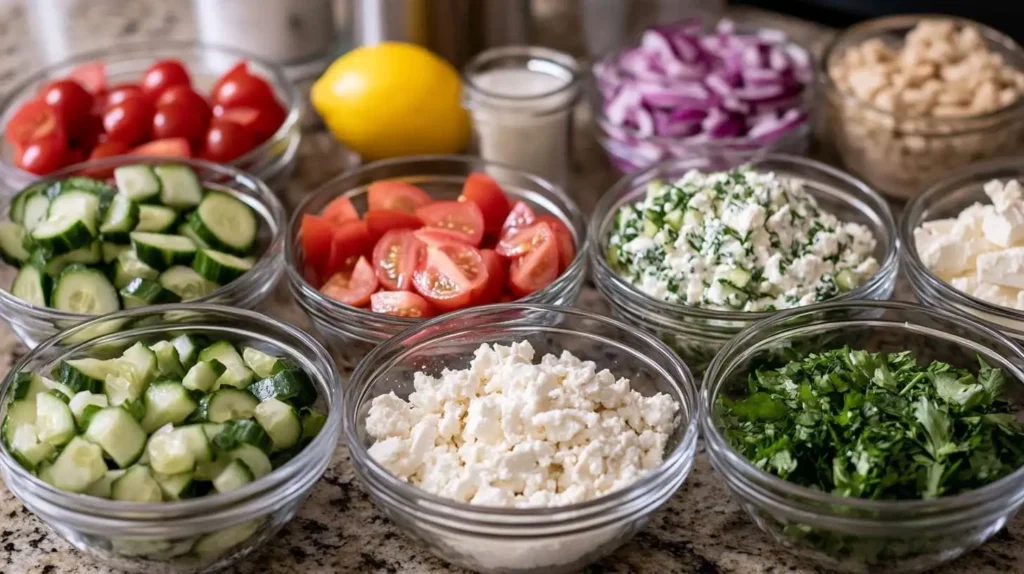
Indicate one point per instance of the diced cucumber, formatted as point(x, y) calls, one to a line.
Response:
point(78, 204)
point(243, 431)
point(166, 402)
point(129, 267)
point(161, 251)
point(76, 467)
point(136, 485)
point(12, 243)
point(136, 408)
point(674, 219)
point(80, 289)
point(32, 286)
point(220, 542)
point(286, 385)
point(180, 187)
point(211, 469)
point(84, 399)
point(203, 375)
point(312, 422)
point(167, 362)
point(738, 277)
point(141, 292)
point(63, 233)
point(55, 424)
point(156, 219)
point(197, 440)
point(20, 413)
point(188, 349)
point(211, 429)
point(225, 223)
point(846, 280)
point(169, 454)
point(259, 362)
point(136, 369)
point(55, 265)
point(227, 404)
point(101, 487)
point(186, 283)
point(138, 182)
point(176, 486)
point(237, 374)
point(254, 458)
point(281, 423)
point(111, 251)
point(85, 374)
point(220, 267)
point(234, 476)
point(185, 230)
point(27, 385)
point(119, 434)
point(121, 218)
point(19, 204)
point(20, 435)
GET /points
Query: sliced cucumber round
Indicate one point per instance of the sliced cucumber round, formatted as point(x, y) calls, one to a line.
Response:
point(141, 292)
point(186, 282)
point(129, 267)
point(19, 203)
point(225, 223)
point(80, 289)
point(179, 186)
point(76, 203)
point(220, 267)
point(156, 219)
point(32, 286)
point(161, 251)
point(138, 182)
point(121, 218)
point(12, 243)
point(63, 233)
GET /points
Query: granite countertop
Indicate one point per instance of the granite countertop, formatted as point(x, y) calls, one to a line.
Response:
point(338, 529)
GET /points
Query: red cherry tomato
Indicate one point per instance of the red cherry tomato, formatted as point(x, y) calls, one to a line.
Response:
point(226, 141)
point(482, 190)
point(41, 156)
point(243, 90)
point(128, 121)
point(525, 239)
point(239, 69)
point(352, 286)
point(92, 76)
point(316, 234)
point(109, 149)
point(73, 156)
point(497, 275)
point(34, 121)
point(401, 304)
point(563, 239)
point(395, 258)
point(395, 195)
point(461, 219)
point(262, 121)
point(163, 75)
point(91, 135)
point(384, 220)
point(181, 112)
point(72, 102)
point(520, 216)
point(448, 275)
point(350, 241)
point(172, 147)
point(535, 270)
point(119, 93)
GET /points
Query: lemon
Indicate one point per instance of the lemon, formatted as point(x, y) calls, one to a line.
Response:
point(393, 99)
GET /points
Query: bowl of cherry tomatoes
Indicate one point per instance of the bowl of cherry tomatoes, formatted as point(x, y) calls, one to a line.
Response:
point(171, 99)
point(376, 250)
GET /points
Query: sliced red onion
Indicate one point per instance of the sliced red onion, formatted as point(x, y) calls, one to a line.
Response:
point(773, 129)
point(680, 123)
point(685, 95)
point(618, 108)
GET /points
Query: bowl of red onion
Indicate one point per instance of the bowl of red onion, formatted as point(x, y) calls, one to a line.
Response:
point(726, 95)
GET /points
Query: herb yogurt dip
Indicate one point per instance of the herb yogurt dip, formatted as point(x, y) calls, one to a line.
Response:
point(740, 240)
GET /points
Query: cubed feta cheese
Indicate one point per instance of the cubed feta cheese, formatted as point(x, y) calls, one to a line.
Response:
point(1006, 228)
point(965, 283)
point(945, 255)
point(1004, 267)
point(997, 294)
point(1003, 196)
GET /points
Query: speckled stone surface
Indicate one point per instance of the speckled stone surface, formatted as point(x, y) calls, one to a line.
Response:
point(338, 529)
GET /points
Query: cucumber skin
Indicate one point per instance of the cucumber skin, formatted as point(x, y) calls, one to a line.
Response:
point(286, 385)
point(71, 239)
point(161, 259)
point(76, 380)
point(213, 270)
point(141, 292)
point(242, 431)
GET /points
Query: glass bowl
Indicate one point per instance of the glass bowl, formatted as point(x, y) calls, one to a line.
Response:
point(520, 540)
point(698, 334)
point(33, 324)
point(273, 161)
point(351, 331)
point(899, 154)
point(849, 534)
point(947, 198)
point(201, 534)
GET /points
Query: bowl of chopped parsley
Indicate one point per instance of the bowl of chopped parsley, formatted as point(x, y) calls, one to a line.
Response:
point(695, 255)
point(870, 436)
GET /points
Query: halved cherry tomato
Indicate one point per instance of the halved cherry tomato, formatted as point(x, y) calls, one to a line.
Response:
point(434, 236)
point(41, 156)
point(520, 216)
point(395, 195)
point(395, 258)
point(383, 220)
point(563, 239)
point(163, 75)
point(92, 76)
point(262, 121)
point(535, 270)
point(448, 275)
point(350, 241)
point(170, 147)
point(119, 93)
point(226, 141)
point(462, 220)
point(521, 241)
point(340, 210)
point(482, 190)
point(128, 121)
point(401, 304)
point(352, 286)
point(72, 102)
point(243, 90)
point(34, 121)
point(497, 275)
point(316, 234)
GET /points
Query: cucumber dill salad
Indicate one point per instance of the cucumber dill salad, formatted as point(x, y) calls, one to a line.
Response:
point(156, 235)
point(178, 418)
point(740, 240)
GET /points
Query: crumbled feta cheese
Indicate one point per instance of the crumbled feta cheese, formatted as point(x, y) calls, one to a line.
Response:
point(1005, 268)
point(521, 434)
point(738, 240)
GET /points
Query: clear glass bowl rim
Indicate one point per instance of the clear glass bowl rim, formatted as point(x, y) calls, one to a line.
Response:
point(563, 60)
point(133, 50)
point(794, 494)
point(248, 500)
point(870, 28)
point(265, 197)
point(368, 368)
point(329, 188)
point(602, 213)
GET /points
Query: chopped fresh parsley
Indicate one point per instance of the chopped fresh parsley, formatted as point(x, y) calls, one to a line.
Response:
point(877, 425)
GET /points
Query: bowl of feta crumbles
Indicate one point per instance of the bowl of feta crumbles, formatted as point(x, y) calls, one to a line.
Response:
point(521, 438)
point(695, 257)
point(964, 239)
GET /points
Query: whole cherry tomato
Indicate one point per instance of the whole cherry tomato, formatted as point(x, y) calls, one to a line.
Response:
point(72, 102)
point(180, 112)
point(41, 156)
point(226, 141)
point(163, 75)
point(244, 90)
point(121, 92)
point(129, 121)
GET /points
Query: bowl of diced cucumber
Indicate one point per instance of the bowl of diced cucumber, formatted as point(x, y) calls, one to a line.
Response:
point(179, 443)
point(127, 232)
